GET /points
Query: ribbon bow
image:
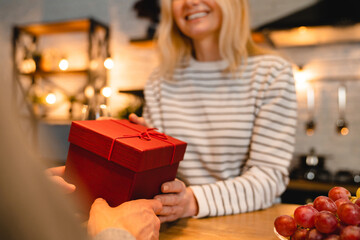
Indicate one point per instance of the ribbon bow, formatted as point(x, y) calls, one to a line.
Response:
point(146, 135)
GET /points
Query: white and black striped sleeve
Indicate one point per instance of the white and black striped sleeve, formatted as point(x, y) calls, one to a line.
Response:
point(265, 174)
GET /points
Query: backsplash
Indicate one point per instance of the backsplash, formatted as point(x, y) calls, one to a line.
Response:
point(329, 67)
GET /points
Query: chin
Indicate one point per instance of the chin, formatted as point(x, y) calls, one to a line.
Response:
point(200, 33)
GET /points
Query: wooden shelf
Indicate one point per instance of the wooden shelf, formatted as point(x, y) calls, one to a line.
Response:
point(26, 41)
point(57, 72)
point(137, 92)
point(79, 25)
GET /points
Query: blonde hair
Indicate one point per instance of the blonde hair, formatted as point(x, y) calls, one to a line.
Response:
point(235, 41)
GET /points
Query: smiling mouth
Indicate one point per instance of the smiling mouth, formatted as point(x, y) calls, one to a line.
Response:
point(196, 15)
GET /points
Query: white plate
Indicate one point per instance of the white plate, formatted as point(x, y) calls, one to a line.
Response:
point(279, 236)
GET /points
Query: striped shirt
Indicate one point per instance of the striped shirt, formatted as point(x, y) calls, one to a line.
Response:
point(240, 130)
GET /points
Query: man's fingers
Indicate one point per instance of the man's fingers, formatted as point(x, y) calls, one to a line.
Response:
point(156, 205)
point(169, 218)
point(99, 202)
point(65, 186)
point(155, 235)
point(56, 171)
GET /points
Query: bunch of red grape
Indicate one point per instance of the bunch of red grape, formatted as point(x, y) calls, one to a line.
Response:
point(332, 217)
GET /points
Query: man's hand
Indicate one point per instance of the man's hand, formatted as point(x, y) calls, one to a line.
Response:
point(137, 217)
point(178, 201)
point(56, 175)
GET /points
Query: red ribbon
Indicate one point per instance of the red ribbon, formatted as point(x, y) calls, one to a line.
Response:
point(146, 135)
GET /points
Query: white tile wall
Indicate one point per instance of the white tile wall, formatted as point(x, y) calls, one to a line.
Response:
point(330, 67)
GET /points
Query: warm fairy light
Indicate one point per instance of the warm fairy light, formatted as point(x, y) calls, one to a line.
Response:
point(310, 95)
point(89, 91)
point(94, 64)
point(108, 63)
point(84, 110)
point(106, 91)
point(310, 132)
point(301, 77)
point(342, 98)
point(344, 131)
point(64, 64)
point(50, 98)
point(28, 66)
point(302, 29)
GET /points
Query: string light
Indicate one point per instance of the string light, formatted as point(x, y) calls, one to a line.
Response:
point(94, 64)
point(106, 92)
point(301, 77)
point(108, 63)
point(50, 98)
point(302, 29)
point(64, 64)
point(89, 91)
point(344, 131)
point(28, 66)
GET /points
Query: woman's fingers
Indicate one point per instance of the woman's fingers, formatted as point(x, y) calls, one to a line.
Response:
point(105, 118)
point(168, 199)
point(175, 186)
point(138, 120)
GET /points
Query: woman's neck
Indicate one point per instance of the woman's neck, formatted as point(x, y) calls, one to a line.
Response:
point(207, 50)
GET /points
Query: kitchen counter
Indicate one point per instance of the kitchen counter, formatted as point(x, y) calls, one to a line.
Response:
point(257, 225)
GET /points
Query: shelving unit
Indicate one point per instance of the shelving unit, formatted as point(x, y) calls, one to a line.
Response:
point(27, 84)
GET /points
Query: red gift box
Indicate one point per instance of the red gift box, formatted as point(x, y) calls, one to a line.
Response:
point(119, 161)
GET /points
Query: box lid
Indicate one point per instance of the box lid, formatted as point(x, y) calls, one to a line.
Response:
point(130, 145)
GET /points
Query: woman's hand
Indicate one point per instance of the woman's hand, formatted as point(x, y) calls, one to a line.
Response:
point(132, 118)
point(105, 118)
point(56, 175)
point(137, 217)
point(138, 120)
point(178, 201)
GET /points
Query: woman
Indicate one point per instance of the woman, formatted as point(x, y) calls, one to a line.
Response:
point(233, 103)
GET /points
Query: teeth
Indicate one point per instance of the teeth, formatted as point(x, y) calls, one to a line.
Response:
point(197, 15)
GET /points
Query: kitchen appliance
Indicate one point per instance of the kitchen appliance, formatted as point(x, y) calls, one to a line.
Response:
point(357, 178)
point(344, 176)
point(312, 168)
